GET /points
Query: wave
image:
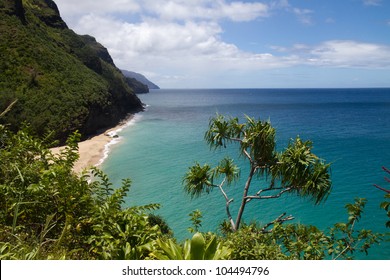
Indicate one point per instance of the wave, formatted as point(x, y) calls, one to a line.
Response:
point(116, 138)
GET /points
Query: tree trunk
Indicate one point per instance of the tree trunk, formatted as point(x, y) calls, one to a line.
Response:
point(244, 197)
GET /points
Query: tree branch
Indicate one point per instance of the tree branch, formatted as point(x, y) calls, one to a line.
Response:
point(8, 108)
point(234, 139)
point(279, 220)
point(228, 201)
point(386, 179)
point(258, 196)
point(244, 151)
point(248, 155)
point(382, 189)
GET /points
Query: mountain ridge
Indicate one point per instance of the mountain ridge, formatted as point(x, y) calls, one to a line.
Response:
point(141, 78)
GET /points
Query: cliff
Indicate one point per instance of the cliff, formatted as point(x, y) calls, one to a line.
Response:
point(63, 81)
point(137, 86)
point(141, 78)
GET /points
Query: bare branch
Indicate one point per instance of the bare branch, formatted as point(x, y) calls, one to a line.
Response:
point(258, 196)
point(248, 155)
point(386, 179)
point(228, 201)
point(244, 151)
point(235, 139)
point(221, 189)
point(8, 108)
point(269, 189)
point(278, 220)
point(382, 189)
point(387, 171)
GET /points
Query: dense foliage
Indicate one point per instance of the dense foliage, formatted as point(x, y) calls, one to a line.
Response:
point(297, 241)
point(49, 212)
point(63, 82)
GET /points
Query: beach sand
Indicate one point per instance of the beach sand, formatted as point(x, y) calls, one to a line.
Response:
point(92, 150)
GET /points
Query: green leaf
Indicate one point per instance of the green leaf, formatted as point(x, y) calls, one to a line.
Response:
point(211, 248)
point(198, 180)
point(197, 247)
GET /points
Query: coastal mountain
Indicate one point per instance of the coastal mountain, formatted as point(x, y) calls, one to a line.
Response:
point(137, 86)
point(141, 78)
point(62, 81)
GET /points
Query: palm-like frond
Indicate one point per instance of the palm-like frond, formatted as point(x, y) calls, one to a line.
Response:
point(222, 131)
point(303, 171)
point(259, 141)
point(198, 180)
point(229, 169)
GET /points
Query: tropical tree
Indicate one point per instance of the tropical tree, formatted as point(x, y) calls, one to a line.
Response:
point(294, 170)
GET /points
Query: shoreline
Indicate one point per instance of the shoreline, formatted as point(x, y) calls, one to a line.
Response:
point(93, 151)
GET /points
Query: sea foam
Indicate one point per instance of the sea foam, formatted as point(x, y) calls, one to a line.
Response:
point(116, 138)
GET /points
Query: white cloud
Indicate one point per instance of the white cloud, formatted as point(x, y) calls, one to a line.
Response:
point(240, 11)
point(339, 53)
point(180, 39)
point(191, 44)
point(351, 54)
point(211, 10)
point(73, 8)
point(169, 10)
point(156, 38)
point(372, 2)
point(304, 15)
point(179, 42)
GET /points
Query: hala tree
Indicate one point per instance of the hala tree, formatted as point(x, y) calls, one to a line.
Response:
point(294, 170)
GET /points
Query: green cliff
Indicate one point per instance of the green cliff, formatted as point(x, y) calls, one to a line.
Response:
point(140, 78)
point(63, 81)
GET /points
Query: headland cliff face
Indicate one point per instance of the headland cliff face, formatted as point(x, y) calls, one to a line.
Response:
point(62, 81)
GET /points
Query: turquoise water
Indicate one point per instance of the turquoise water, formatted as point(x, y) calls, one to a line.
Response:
point(349, 127)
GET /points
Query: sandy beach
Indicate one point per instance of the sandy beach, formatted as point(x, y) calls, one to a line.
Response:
point(92, 150)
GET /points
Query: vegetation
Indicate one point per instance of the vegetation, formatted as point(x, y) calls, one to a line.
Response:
point(307, 242)
point(386, 204)
point(63, 82)
point(48, 212)
point(196, 248)
point(295, 170)
point(137, 86)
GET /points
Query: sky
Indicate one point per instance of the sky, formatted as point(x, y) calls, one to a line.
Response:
point(242, 43)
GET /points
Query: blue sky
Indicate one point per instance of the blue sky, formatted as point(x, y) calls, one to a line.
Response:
point(242, 44)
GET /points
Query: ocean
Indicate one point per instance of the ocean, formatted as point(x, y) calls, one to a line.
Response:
point(350, 128)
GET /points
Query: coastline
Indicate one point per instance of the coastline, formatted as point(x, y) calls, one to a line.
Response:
point(93, 151)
